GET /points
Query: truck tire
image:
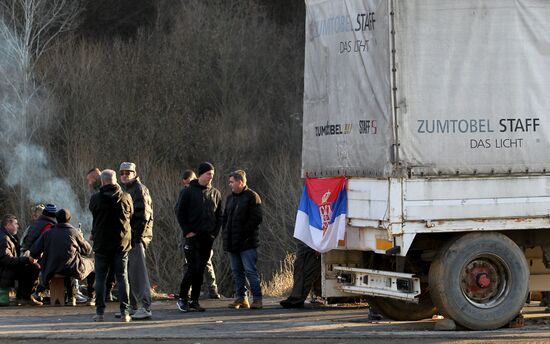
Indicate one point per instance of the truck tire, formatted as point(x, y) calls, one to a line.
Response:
point(404, 311)
point(480, 280)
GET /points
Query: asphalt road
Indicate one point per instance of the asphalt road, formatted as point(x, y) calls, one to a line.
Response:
point(329, 324)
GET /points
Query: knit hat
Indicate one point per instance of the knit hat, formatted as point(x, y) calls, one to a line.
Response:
point(127, 166)
point(63, 216)
point(49, 210)
point(205, 167)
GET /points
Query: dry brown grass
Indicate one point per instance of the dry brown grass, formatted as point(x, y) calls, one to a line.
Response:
point(281, 281)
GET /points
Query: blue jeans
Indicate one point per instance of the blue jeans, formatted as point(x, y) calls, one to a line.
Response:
point(119, 260)
point(243, 267)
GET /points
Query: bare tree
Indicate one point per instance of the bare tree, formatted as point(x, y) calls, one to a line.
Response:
point(27, 30)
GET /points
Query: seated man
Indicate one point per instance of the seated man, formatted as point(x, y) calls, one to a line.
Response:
point(63, 248)
point(12, 267)
point(36, 212)
point(39, 226)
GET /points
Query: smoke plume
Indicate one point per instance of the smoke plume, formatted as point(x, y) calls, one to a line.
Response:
point(25, 112)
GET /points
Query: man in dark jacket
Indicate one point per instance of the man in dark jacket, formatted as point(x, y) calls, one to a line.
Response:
point(111, 233)
point(93, 179)
point(36, 212)
point(198, 212)
point(62, 249)
point(209, 277)
point(142, 234)
point(241, 221)
point(38, 227)
point(12, 267)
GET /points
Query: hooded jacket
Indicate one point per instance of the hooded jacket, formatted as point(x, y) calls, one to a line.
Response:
point(199, 210)
point(9, 258)
point(63, 247)
point(112, 210)
point(241, 221)
point(142, 220)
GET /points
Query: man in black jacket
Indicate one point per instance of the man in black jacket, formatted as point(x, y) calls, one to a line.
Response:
point(12, 267)
point(142, 234)
point(111, 233)
point(63, 249)
point(39, 226)
point(198, 211)
point(241, 221)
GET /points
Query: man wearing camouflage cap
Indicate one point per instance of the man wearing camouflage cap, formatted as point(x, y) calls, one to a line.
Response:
point(142, 234)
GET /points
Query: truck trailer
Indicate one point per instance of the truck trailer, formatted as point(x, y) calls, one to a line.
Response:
point(437, 113)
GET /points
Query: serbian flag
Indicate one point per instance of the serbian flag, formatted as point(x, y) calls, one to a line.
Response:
point(321, 218)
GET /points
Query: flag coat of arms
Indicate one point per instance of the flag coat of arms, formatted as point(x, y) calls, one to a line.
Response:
point(321, 218)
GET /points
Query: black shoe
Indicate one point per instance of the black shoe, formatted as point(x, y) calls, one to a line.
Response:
point(196, 306)
point(183, 305)
point(214, 296)
point(374, 315)
point(292, 303)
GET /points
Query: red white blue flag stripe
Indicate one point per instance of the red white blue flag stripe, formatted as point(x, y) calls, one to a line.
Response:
point(321, 218)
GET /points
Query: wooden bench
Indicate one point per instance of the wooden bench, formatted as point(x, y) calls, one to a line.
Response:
point(57, 292)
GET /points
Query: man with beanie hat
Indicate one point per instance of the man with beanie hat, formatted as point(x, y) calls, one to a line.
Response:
point(41, 225)
point(62, 249)
point(199, 212)
point(209, 277)
point(142, 234)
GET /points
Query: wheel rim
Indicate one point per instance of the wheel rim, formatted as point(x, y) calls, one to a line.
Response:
point(484, 280)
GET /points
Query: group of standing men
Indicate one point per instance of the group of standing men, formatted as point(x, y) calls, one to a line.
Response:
point(200, 216)
point(122, 229)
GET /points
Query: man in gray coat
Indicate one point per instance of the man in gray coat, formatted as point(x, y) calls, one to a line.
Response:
point(142, 234)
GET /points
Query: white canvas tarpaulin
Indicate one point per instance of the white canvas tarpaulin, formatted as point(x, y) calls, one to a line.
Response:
point(473, 85)
point(347, 126)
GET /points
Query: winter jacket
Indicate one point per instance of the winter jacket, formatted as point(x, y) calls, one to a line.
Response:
point(112, 210)
point(241, 221)
point(63, 247)
point(199, 210)
point(10, 261)
point(142, 220)
point(39, 226)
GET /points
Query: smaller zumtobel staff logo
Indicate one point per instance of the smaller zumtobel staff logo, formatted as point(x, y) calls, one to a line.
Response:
point(333, 129)
point(367, 126)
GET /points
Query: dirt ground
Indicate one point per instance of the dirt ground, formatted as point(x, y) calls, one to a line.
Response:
point(219, 325)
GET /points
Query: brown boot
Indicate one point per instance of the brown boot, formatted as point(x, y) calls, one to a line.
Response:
point(239, 303)
point(256, 304)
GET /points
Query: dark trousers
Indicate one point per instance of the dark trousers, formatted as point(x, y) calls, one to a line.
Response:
point(103, 263)
point(197, 252)
point(27, 280)
point(307, 272)
point(110, 281)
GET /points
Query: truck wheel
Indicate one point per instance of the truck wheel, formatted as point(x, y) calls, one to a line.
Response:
point(404, 311)
point(480, 280)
